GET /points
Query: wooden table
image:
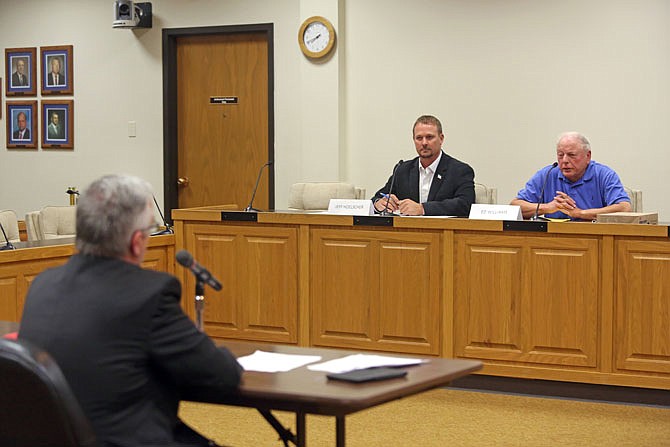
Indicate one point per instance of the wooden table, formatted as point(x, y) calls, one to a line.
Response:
point(303, 391)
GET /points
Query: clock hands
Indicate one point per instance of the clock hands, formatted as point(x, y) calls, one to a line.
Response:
point(314, 38)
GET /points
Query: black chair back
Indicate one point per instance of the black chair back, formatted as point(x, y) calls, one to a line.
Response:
point(37, 407)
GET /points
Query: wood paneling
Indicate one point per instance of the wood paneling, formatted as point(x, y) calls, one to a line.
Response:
point(643, 307)
point(527, 299)
point(19, 267)
point(376, 290)
point(258, 268)
point(582, 302)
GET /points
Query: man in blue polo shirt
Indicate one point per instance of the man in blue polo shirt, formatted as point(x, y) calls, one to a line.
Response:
point(579, 189)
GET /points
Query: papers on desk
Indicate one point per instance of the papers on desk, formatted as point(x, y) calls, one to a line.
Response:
point(362, 361)
point(275, 362)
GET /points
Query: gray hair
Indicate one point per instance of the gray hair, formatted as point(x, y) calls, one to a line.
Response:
point(586, 146)
point(108, 213)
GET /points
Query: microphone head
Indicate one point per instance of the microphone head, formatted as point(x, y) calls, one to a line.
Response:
point(554, 164)
point(184, 258)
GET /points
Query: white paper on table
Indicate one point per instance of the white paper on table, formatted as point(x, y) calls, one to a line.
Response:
point(362, 361)
point(275, 362)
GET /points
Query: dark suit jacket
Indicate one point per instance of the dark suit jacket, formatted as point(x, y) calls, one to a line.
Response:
point(451, 193)
point(125, 346)
point(26, 135)
point(17, 83)
point(52, 81)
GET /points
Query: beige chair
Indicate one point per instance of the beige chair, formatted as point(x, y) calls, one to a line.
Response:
point(33, 230)
point(57, 222)
point(485, 194)
point(317, 195)
point(635, 199)
point(10, 223)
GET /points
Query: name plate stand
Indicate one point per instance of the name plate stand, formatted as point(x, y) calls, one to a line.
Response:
point(495, 212)
point(351, 207)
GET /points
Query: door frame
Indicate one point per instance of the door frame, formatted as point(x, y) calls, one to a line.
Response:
point(170, 122)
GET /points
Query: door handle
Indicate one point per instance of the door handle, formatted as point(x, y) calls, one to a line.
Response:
point(183, 182)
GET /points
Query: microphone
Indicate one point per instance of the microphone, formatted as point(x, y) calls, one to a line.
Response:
point(8, 245)
point(537, 210)
point(168, 228)
point(386, 208)
point(201, 274)
point(253, 195)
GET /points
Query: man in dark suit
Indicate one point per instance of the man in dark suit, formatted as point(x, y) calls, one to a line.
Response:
point(19, 78)
point(55, 129)
point(118, 332)
point(432, 184)
point(22, 132)
point(55, 78)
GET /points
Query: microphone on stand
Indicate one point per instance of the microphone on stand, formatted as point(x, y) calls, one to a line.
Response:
point(385, 212)
point(168, 229)
point(8, 245)
point(537, 210)
point(201, 273)
point(253, 195)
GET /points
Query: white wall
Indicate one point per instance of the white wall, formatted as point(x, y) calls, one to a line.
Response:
point(504, 76)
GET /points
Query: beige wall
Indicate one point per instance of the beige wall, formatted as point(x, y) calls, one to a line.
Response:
point(505, 76)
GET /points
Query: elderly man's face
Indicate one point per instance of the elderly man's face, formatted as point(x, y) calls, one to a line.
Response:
point(20, 66)
point(572, 158)
point(54, 119)
point(21, 120)
point(55, 66)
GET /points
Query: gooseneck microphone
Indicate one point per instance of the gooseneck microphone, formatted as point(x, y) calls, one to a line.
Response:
point(168, 229)
point(536, 216)
point(385, 212)
point(8, 245)
point(253, 195)
point(201, 274)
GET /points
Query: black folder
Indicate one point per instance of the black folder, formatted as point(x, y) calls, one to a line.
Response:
point(368, 374)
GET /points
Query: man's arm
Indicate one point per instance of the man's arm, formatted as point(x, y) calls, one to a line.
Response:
point(528, 208)
point(568, 206)
point(462, 176)
point(185, 354)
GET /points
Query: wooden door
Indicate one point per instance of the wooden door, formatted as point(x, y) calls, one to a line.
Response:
point(219, 120)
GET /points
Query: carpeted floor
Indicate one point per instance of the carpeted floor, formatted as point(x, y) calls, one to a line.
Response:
point(446, 417)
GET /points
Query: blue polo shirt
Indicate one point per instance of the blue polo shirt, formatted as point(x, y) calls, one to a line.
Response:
point(600, 186)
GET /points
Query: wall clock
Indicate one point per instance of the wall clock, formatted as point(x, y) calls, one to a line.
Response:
point(316, 37)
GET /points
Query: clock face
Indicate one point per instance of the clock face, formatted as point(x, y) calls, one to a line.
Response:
point(316, 37)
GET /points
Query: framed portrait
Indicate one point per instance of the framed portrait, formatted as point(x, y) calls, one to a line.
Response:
point(21, 124)
point(20, 70)
point(57, 124)
point(56, 68)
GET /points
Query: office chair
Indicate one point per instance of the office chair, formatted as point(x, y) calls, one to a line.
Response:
point(317, 195)
point(57, 222)
point(635, 199)
point(10, 223)
point(486, 194)
point(37, 407)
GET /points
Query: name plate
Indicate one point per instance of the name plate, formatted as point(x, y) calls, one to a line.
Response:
point(495, 212)
point(351, 207)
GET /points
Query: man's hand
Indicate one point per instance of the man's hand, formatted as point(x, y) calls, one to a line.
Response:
point(409, 207)
point(380, 205)
point(565, 204)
